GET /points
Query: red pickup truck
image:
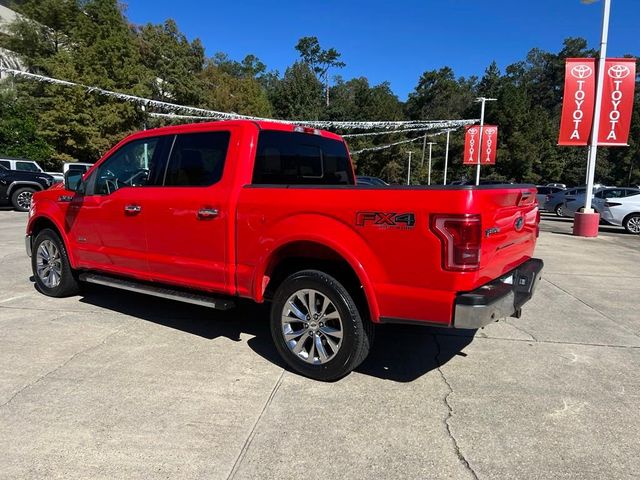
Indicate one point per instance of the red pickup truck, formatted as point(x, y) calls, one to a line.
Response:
point(209, 212)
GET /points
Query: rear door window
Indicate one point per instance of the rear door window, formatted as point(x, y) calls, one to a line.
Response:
point(292, 158)
point(27, 167)
point(197, 159)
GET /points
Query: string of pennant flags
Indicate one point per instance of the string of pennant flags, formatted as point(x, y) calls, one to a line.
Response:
point(434, 126)
point(196, 113)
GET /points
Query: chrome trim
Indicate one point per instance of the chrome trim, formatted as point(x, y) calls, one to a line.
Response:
point(28, 246)
point(478, 316)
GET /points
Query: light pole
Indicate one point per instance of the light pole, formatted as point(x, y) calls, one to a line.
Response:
point(593, 139)
point(431, 144)
point(446, 156)
point(483, 100)
point(424, 147)
point(409, 169)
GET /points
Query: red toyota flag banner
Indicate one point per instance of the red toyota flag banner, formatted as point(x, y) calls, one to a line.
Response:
point(471, 146)
point(578, 101)
point(489, 145)
point(617, 101)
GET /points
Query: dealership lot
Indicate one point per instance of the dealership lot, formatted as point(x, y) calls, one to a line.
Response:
point(116, 385)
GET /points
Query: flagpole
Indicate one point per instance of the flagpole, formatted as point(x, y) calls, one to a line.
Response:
point(593, 139)
point(483, 100)
point(446, 157)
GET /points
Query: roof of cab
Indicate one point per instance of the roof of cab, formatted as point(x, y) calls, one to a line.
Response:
point(204, 126)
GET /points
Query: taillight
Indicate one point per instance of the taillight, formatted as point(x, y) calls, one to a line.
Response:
point(612, 204)
point(460, 236)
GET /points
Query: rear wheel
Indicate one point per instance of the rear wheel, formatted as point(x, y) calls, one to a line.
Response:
point(21, 198)
point(632, 224)
point(317, 326)
point(51, 268)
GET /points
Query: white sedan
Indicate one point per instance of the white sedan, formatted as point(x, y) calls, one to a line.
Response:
point(602, 202)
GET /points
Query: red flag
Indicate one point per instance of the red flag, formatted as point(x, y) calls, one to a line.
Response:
point(489, 145)
point(617, 101)
point(471, 146)
point(578, 102)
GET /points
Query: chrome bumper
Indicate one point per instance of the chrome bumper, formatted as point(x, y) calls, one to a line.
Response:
point(27, 244)
point(501, 298)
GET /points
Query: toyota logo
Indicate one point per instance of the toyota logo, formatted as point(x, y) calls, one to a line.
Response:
point(490, 131)
point(619, 71)
point(581, 71)
point(473, 131)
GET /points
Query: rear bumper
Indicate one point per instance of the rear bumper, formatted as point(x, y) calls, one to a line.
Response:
point(498, 299)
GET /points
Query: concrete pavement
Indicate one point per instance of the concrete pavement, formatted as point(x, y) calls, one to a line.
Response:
point(111, 384)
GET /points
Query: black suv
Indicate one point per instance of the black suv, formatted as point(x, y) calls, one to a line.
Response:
point(17, 187)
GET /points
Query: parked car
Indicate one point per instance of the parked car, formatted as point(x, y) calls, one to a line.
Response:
point(544, 192)
point(206, 213)
point(598, 201)
point(25, 165)
point(555, 201)
point(364, 180)
point(623, 212)
point(17, 187)
point(83, 167)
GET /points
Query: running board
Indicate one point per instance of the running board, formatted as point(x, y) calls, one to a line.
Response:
point(158, 291)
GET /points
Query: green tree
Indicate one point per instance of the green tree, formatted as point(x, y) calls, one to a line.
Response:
point(298, 95)
point(319, 59)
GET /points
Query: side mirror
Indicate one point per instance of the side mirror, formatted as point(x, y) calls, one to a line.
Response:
point(72, 180)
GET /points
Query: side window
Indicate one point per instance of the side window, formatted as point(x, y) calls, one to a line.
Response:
point(292, 158)
point(137, 164)
point(197, 159)
point(543, 190)
point(6, 164)
point(27, 167)
point(613, 194)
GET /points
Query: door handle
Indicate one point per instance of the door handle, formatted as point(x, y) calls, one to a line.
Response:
point(132, 209)
point(207, 213)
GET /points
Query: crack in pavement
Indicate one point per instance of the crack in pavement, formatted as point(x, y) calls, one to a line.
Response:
point(252, 433)
point(62, 365)
point(520, 329)
point(591, 307)
point(456, 447)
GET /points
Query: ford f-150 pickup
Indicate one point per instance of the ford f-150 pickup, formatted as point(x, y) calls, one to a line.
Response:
point(206, 213)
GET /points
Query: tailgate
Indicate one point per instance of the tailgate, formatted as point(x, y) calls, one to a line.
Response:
point(509, 230)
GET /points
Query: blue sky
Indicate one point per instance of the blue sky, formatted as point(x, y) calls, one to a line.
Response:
point(395, 40)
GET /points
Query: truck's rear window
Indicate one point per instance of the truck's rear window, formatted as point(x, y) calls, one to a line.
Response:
point(291, 158)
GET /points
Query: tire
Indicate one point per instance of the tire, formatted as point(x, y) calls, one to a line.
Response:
point(323, 350)
point(21, 198)
point(558, 210)
point(50, 265)
point(632, 224)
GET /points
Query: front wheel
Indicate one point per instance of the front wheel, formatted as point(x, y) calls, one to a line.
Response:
point(21, 199)
point(632, 224)
point(317, 326)
point(51, 268)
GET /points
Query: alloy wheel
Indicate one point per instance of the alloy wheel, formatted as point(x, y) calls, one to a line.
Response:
point(312, 326)
point(49, 264)
point(24, 200)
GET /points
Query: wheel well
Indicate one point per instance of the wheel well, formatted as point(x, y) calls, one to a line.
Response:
point(42, 223)
point(624, 220)
point(17, 185)
point(298, 256)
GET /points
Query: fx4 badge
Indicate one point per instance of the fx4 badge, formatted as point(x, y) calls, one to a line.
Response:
point(386, 219)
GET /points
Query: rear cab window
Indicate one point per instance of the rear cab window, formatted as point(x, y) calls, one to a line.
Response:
point(292, 158)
